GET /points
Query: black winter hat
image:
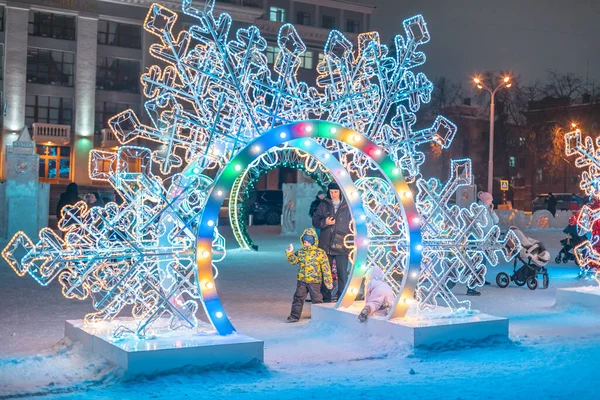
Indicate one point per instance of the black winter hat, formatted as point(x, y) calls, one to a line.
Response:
point(333, 186)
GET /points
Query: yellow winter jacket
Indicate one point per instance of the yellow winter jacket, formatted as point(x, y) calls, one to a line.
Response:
point(313, 265)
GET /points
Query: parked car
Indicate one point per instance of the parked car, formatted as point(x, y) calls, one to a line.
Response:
point(565, 201)
point(266, 206)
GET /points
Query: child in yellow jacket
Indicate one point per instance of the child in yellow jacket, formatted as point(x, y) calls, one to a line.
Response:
point(313, 269)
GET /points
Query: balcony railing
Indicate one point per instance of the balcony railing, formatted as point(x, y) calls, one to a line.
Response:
point(109, 139)
point(51, 133)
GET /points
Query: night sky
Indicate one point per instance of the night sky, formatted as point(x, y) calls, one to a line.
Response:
point(527, 37)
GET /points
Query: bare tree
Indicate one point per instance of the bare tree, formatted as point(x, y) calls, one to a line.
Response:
point(563, 85)
point(445, 94)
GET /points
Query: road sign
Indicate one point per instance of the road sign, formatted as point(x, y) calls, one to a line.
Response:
point(504, 185)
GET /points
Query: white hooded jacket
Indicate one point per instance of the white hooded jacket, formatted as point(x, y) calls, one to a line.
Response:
point(379, 293)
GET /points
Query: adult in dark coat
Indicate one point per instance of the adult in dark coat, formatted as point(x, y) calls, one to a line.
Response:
point(69, 197)
point(333, 219)
point(551, 202)
point(315, 204)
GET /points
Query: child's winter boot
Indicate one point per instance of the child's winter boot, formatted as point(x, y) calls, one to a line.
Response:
point(362, 317)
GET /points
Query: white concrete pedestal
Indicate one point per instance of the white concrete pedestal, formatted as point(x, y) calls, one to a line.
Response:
point(588, 296)
point(168, 351)
point(418, 329)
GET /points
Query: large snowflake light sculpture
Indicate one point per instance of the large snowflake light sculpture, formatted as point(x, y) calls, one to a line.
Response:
point(588, 221)
point(217, 105)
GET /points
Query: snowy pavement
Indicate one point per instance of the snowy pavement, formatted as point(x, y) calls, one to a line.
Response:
point(552, 352)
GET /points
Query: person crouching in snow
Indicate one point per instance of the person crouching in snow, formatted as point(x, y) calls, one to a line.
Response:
point(380, 295)
point(313, 268)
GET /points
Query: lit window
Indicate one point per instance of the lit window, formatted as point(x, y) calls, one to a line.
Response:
point(321, 57)
point(539, 176)
point(54, 164)
point(306, 60)
point(521, 141)
point(277, 14)
point(511, 161)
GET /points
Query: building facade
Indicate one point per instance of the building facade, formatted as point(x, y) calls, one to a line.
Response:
point(69, 65)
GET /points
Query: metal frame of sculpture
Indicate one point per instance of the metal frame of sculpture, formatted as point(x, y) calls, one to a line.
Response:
point(587, 151)
point(217, 106)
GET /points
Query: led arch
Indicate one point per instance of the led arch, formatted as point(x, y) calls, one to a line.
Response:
point(299, 135)
point(273, 158)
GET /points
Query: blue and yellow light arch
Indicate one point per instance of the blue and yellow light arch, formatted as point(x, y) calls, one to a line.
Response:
point(300, 135)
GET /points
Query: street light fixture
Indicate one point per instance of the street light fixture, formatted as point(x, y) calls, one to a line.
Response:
point(504, 83)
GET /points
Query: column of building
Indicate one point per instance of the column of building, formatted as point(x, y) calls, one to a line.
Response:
point(15, 76)
point(85, 96)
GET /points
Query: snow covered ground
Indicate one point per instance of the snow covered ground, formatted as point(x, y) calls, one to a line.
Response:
point(552, 352)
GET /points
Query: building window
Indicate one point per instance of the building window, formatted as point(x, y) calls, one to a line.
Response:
point(321, 57)
point(328, 22)
point(50, 67)
point(117, 74)
point(117, 34)
point(539, 176)
point(277, 14)
point(1, 62)
point(48, 110)
point(306, 60)
point(352, 26)
point(2, 12)
point(55, 163)
point(303, 18)
point(51, 25)
point(511, 161)
point(105, 110)
point(272, 54)
point(521, 141)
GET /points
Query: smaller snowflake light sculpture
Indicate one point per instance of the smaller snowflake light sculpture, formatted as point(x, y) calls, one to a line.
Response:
point(588, 221)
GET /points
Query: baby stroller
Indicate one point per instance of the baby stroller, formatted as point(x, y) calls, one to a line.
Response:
point(568, 243)
point(533, 257)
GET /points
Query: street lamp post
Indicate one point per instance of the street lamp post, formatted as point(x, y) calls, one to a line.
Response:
point(504, 83)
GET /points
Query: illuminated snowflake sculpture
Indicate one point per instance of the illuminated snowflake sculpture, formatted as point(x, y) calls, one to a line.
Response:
point(217, 105)
point(588, 221)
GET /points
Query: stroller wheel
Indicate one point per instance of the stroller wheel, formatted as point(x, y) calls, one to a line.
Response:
point(557, 259)
point(545, 281)
point(532, 282)
point(502, 279)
